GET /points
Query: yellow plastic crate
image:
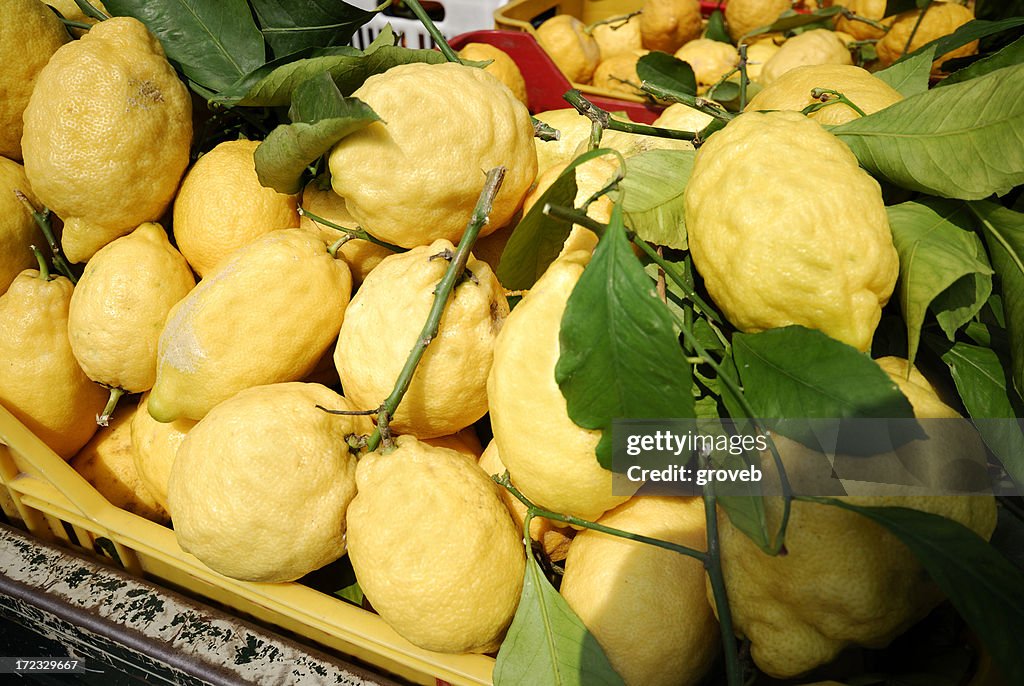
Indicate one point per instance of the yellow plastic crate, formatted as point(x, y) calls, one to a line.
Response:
point(44, 495)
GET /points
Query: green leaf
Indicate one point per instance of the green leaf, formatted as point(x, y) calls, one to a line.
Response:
point(985, 588)
point(716, 28)
point(983, 384)
point(547, 644)
point(666, 71)
point(965, 141)
point(538, 238)
point(909, 76)
point(942, 265)
point(292, 26)
point(213, 43)
point(272, 84)
point(795, 372)
point(322, 117)
point(789, 20)
point(353, 594)
point(746, 512)
point(1009, 56)
point(1003, 230)
point(968, 33)
point(652, 195)
point(620, 357)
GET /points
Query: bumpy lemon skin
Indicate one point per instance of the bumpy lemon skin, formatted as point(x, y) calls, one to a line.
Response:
point(792, 91)
point(819, 46)
point(777, 245)
point(743, 16)
point(18, 230)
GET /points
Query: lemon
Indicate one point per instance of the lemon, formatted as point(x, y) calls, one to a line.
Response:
point(40, 380)
point(645, 605)
point(743, 16)
point(818, 46)
point(666, 25)
point(618, 73)
point(710, 59)
point(573, 129)
point(107, 134)
point(758, 54)
point(18, 230)
point(683, 118)
point(465, 441)
point(107, 462)
point(940, 19)
point(553, 538)
point(70, 10)
point(154, 446)
point(384, 321)
point(565, 40)
point(550, 458)
point(844, 579)
point(260, 486)
point(29, 35)
point(618, 37)
point(786, 228)
point(266, 315)
point(591, 177)
point(792, 91)
point(869, 9)
point(434, 549)
point(361, 256)
point(418, 176)
point(222, 206)
point(502, 66)
point(120, 305)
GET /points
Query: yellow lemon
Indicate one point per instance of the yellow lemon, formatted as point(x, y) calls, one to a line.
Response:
point(618, 73)
point(743, 16)
point(565, 40)
point(154, 447)
point(792, 91)
point(18, 230)
point(502, 66)
point(666, 25)
point(940, 19)
point(710, 59)
point(818, 46)
point(618, 37)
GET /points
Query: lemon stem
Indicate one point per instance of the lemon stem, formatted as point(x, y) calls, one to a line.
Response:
point(713, 567)
point(435, 33)
point(620, 20)
point(533, 510)
point(44, 269)
point(598, 115)
point(75, 24)
point(853, 16)
point(694, 101)
point(695, 344)
point(827, 97)
point(352, 233)
point(596, 131)
point(42, 220)
point(442, 292)
point(913, 31)
point(543, 131)
point(744, 79)
point(90, 10)
point(112, 400)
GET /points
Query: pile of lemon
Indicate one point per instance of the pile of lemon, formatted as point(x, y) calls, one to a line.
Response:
point(252, 358)
point(605, 54)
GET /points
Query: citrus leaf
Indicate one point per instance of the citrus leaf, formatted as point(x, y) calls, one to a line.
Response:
point(789, 20)
point(292, 26)
point(965, 141)
point(666, 71)
point(716, 28)
point(547, 644)
point(272, 84)
point(538, 238)
point(321, 117)
point(796, 372)
point(620, 357)
point(1003, 230)
point(942, 265)
point(212, 43)
point(652, 195)
point(1009, 56)
point(984, 587)
point(983, 384)
point(909, 76)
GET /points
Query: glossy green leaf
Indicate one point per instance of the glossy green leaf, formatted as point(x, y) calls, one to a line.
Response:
point(547, 644)
point(942, 265)
point(909, 76)
point(538, 237)
point(1009, 56)
point(716, 28)
point(620, 357)
point(795, 372)
point(666, 71)
point(789, 20)
point(272, 84)
point(984, 587)
point(964, 141)
point(1003, 230)
point(213, 43)
point(652, 195)
point(321, 117)
point(983, 382)
point(292, 26)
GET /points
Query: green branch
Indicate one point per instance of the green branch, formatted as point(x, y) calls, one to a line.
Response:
point(713, 566)
point(435, 33)
point(606, 121)
point(352, 233)
point(696, 102)
point(42, 220)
